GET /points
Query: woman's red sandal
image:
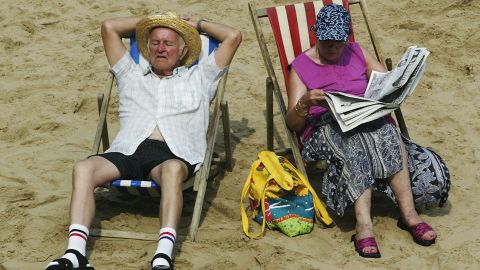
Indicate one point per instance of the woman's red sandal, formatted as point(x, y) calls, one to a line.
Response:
point(364, 243)
point(417, 231)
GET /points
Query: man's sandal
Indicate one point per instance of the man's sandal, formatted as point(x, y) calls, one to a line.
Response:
point(65, 264)
point(417, 231)
point(162, 267)
point(361, 244)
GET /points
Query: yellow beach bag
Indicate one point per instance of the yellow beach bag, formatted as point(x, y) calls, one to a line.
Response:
point(278, 191)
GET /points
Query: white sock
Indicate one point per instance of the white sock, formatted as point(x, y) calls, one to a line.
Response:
point(166, 242)
point(77, 240)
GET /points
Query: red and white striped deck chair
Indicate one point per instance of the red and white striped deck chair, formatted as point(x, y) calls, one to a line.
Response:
point(218, 107)
point(292, 30)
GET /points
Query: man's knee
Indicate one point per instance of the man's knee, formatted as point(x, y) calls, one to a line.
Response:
point(175, 167)
point(173, 172)
point(94, 171)
point(82, 167)
point(81, 170)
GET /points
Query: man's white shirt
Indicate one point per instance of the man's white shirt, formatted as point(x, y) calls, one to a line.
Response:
point(178, 104)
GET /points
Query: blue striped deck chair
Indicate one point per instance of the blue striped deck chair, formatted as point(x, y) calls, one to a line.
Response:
point(150, 187)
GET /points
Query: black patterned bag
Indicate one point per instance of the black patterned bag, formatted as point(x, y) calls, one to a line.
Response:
point(429, 175)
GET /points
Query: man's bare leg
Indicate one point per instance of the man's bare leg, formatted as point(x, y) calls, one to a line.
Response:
point(87, 174)
point(170, 175)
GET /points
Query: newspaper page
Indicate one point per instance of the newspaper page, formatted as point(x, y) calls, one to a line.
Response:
point(351, 111)
point(367, 114)
point(382, 84)
point(399, 96)
point(384, 94)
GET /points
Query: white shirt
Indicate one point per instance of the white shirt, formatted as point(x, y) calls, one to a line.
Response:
point(178, 104)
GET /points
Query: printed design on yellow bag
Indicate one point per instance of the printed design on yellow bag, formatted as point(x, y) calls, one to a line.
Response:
point(291, 212)
point(278, 191)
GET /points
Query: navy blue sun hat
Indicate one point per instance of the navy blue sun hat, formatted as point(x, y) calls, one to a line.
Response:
point(333, 23)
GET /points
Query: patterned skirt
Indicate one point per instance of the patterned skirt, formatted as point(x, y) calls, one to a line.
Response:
point(368, 156)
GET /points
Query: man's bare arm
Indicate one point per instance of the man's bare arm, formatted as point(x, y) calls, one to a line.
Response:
point(230, 38)
point(113, 30)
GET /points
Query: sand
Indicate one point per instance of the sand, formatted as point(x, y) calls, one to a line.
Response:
point(53, 65)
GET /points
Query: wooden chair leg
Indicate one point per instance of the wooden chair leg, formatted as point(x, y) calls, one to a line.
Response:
point(401, 123)
point(226, 136)
point(269, 112)
point(398, 113)
point(197, 210)
point(95, 232)
point(105, 140)
point(105, 97)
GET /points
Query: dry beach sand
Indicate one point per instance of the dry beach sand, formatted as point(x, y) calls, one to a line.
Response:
point(53, 65)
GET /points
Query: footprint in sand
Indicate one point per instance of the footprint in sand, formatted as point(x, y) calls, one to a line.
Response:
point(10, 44)
point(29, 27)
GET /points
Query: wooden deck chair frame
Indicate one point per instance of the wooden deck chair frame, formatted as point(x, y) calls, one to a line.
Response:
point(273, 88)
point(218, 107)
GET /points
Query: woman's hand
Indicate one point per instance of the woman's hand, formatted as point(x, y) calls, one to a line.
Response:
point(314, 97)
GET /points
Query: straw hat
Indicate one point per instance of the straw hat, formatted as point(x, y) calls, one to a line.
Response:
point(174, 22)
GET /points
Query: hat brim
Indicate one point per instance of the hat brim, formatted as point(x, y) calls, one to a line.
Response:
point(189, 34)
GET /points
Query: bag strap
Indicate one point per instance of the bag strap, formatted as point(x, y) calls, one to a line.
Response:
point(287, 180)
point(271, 161)
point(320, 208)
point(245, 190)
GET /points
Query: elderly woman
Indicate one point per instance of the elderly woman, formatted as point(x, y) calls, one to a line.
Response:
point(371, 156)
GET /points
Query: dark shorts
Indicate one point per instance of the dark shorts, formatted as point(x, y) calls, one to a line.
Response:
point(148, 155)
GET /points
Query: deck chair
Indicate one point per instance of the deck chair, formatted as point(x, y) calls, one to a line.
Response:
point(150, 188)
point(291, 26)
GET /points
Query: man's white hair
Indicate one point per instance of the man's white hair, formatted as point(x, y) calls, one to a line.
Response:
point(180, 40)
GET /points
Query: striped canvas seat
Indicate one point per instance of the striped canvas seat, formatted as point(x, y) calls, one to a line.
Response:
point(136, 187)
point(292, 27)
point(150, 187)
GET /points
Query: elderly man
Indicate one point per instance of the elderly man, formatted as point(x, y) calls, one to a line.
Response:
point(163, 121)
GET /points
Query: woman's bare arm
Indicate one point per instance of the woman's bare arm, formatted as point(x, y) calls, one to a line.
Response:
point(372, 63)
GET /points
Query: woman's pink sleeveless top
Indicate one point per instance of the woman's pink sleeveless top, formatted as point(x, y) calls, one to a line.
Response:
point(349, 75)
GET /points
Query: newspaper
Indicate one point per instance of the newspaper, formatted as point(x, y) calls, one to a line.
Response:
point(384, 94)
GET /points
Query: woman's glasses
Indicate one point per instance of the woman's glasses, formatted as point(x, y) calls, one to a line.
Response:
point(332, 43)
